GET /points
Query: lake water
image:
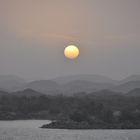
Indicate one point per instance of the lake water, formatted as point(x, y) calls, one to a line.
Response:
point(29, 130)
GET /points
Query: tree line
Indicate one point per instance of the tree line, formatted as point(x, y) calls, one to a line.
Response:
point(86, 111)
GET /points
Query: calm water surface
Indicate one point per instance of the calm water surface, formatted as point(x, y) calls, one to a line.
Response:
point(29, 130)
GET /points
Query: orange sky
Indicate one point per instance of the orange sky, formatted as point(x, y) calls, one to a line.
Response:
point(33, 34)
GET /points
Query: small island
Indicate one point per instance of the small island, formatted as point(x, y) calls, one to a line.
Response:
point(85, 125)
point(74, 125)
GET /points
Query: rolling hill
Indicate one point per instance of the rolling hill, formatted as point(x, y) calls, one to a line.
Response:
point(11, 82)
point(27, 93)
point(85, 77)
point(134, 92)
point(126, 87)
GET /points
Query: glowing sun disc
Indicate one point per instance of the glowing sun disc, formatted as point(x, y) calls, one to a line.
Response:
point(71, 52)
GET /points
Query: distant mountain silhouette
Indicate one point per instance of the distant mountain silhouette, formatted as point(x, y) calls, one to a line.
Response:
point(72, 87)
point(126, 87)
point(69, 85)
point(134, 92)
point(85, 86)
point(27, 93)
point(2, 93)
point(105, 93)
point(11, 82)
point(130, 78)
point(85, 77)
point(99, 94)
point(45, 86)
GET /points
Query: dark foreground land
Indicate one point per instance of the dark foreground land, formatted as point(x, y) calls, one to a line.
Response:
point(103, 110)
point(85, 125)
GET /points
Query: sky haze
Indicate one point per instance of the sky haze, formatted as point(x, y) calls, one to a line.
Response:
point(34, 33)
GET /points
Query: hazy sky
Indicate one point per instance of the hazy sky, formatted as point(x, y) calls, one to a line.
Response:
point(33, 34)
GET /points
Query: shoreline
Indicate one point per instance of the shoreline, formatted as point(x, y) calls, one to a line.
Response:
point(70, 125)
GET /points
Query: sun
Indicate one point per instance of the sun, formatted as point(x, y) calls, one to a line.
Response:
point(71, 52)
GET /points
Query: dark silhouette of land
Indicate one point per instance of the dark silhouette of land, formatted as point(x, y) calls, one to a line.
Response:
point(69, 85)
point(97, 110)
point(77, 104)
